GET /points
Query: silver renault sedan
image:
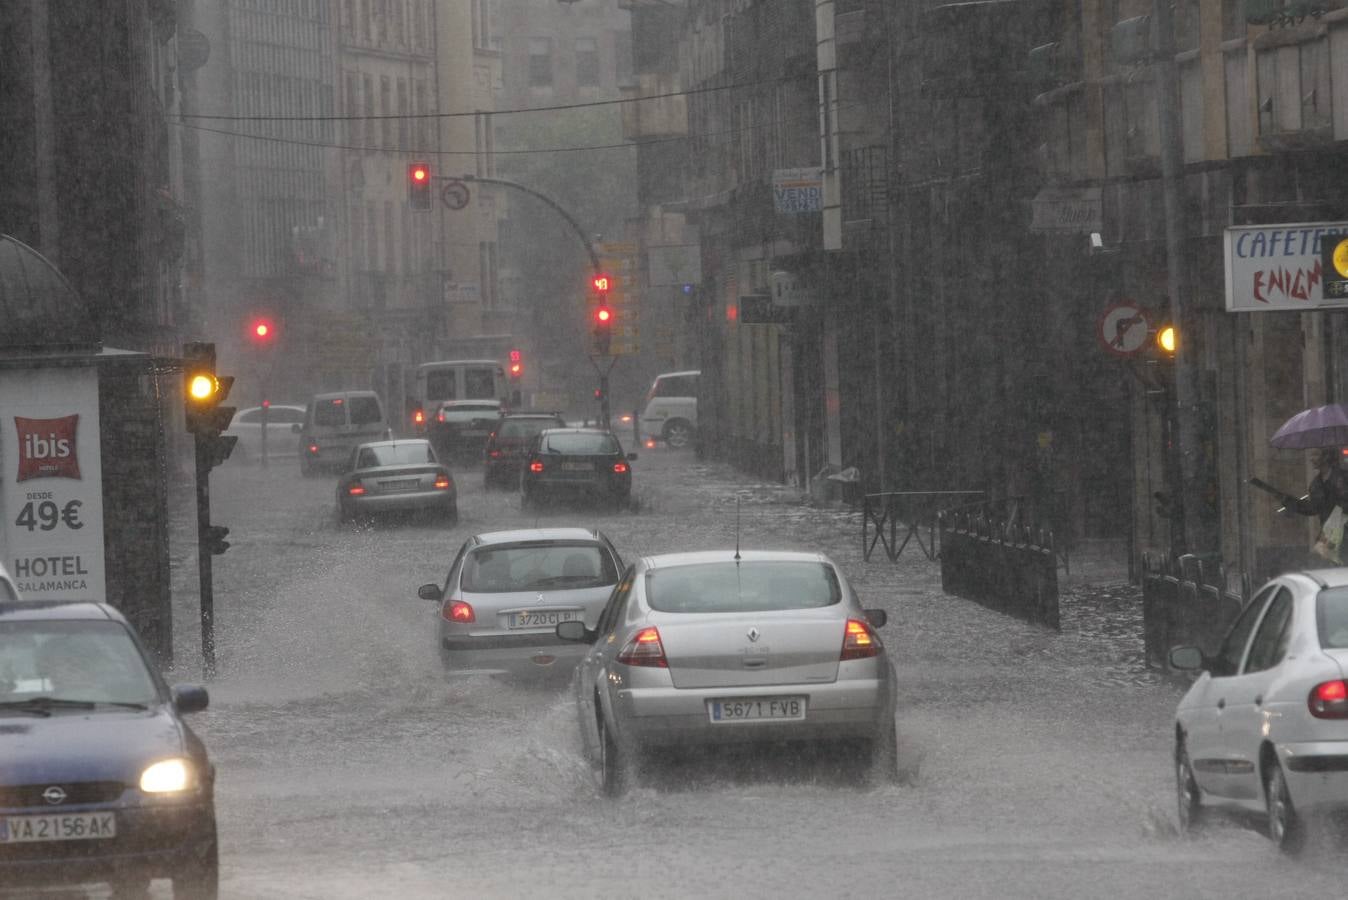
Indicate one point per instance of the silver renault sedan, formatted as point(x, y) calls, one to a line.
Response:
point(732, 647)
point(507, 591)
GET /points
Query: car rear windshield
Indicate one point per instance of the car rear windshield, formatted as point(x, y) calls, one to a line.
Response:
point(539, 566)
point(580, 443)
point(467, 412)
point(742, 587)
point(414, 453)
point(523, 428)
point(72, 660)
point(331, 412)
point(365, 411)
point(1331, 611)
point(479, 383)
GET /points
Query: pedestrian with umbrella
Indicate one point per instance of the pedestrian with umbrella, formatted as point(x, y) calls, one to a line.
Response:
point(1323, 430)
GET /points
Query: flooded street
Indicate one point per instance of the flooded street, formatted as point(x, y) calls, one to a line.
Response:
point(351, 766)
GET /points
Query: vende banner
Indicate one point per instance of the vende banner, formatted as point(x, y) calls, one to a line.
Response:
point(51, 483)
point(1276, 268)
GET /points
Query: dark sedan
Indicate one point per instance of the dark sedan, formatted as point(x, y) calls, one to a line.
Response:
point(403, 476)
point(100, 778)
point(508, 444)
point(587, 462)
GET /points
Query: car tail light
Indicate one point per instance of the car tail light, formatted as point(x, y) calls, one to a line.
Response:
point(313, 448)
point(650, 443)
point(621, 467)
point(418, 417)
point(440, 416)
point(1329, 700)
point(536, 466)
point(356, 490)
point(458, 611)
point(860, 641)
point(494, 454)
point(645, 649)
point(443, 483)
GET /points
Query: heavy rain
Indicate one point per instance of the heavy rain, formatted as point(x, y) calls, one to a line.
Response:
point(364, 364)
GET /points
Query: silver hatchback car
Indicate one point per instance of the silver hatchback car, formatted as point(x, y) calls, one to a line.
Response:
point(715, 648)
point(507, 591)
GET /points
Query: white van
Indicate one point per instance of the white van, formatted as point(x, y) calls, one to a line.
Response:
point(455, 379)
point(334, 423)
point(670, 412)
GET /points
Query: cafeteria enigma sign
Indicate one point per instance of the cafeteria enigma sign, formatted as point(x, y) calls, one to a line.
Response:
point(1278, 267)
point(51, 483)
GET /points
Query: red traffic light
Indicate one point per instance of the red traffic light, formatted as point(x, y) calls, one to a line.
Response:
point(419, 173)
point(603, 315)
point(261, 331)
point(600, 283)
point(419, 186)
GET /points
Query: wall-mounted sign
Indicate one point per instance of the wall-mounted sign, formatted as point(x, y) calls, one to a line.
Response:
point(1278, 267)
point(798, 190)
point(1076, 210)
point(51, 483)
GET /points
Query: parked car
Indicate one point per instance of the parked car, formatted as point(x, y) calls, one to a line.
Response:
point(401, 476)
point(335, 423)
point(1264, 728)
point(278, 420)
point(101, 779)
point(508, 442)
point(460, 428)
point(507, 590)
point(586, 462)
point(712, 648)
point(670, 411)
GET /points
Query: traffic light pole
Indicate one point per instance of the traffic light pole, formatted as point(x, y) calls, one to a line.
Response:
point(605, 412)
point(204, 555)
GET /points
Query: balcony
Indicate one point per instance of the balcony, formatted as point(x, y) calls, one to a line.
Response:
point(662, 118)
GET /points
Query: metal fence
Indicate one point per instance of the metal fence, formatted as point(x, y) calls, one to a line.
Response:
point(1186, 602)
point(883, 514)
point(1004, 565)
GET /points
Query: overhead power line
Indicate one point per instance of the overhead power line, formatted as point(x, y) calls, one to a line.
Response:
point(484, 112)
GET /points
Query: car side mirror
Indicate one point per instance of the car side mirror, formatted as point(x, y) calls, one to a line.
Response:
point(295, 428)
point(575, 631)
point(632, 457)
point(877, 617)
point(429, 592)
point(1186, 659)
point(190, 698)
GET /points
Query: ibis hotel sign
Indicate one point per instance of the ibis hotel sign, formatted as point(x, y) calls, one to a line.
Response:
point(51, 483)
point(1278, 267)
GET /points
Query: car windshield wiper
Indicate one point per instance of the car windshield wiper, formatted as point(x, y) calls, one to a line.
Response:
point(44, 705)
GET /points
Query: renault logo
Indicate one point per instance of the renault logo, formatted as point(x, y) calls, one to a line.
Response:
point(753, 635)
point(542, 599)
point(54, 795)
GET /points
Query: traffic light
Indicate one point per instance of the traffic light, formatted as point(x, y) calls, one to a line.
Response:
point(213, 539)
point(1334, 266)
point(419, 187)
point(262, 331)
point(516, 365)
point(1167, 340)
point(206, 417)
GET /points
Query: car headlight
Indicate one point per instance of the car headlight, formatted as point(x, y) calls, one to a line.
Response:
point(167, 776)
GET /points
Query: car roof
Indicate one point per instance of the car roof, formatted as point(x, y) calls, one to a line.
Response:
point(394, 442)
point(332, 395)
point(1330, 578)
point(521, 535)
point(673, 374)
point(703, 557)
point(575, 429)
point(66, 610)
point(531, 415)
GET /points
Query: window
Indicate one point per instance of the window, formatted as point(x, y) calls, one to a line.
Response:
point(403, 109)
point(441, 385)
point(487, 263)
point(536, 567)
point(485, 144)
point(386, 109)
point(540, 62)
point(365, 410)
point(580, 443)
point(413, 453)
point(1270, 641)
point(73, 660)
point(482, 25)
point(587, 62)
point(479, 383)
point(330, 413)
point(608, 619)
point(1331, 613)
point(742, 587)
point(1233, 647)
point(526, 428)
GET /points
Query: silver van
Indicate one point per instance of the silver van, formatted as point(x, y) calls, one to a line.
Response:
point(336, 422)
point(449, 380)
point(670, 412)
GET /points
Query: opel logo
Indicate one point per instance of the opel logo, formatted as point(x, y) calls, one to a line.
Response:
point(54, 795)
point(753, 635)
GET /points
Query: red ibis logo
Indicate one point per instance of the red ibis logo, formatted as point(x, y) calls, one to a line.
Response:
point(47, 448)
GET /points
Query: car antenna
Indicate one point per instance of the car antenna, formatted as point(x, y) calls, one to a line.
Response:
point(737, 528)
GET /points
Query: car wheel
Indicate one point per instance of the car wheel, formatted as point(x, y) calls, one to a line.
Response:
point(615, 769)
point(1188, 802)
point(885, 756)
point(1284, 825)
point(677, 434)
point(200, 880)
point(452, 514)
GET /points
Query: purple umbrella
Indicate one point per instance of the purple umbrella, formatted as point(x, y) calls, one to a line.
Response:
point(1323, 426)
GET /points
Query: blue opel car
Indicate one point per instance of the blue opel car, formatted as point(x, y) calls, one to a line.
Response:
point(100, 778)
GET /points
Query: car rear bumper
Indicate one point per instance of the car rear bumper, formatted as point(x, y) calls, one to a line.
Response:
point(155, 842)
point(1317, 773)
point(409, 501)
point(666, 716)
point(519, 656)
